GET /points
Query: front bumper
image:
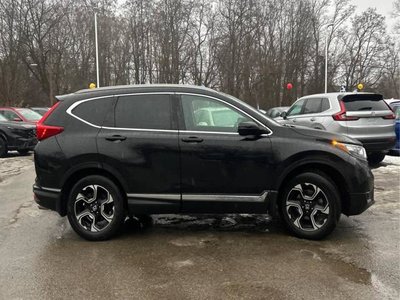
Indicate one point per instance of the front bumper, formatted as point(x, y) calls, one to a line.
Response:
point(359, 203)
point(23, 143)
point(48, 198)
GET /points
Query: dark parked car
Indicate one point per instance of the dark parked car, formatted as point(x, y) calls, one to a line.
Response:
point(109, 153)
point(17, 114)
point(16, 136)
point(40, 110)
point(276, 112)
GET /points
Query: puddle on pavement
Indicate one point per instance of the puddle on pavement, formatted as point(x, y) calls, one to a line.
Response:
point(231, 222)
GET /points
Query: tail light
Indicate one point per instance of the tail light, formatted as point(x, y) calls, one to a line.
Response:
point(44, 131)
point(341, 115)
point(390, 116)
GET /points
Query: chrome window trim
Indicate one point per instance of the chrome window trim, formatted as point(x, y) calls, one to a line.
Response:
point(77, 103)
point(231, 105)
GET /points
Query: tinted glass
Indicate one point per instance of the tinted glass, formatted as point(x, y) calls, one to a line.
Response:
point(296, 108)
point(143, 111)
point(9, 115)
point(205, 114)
point(313, 106)
point(29, 114)
point(364, 102)
point(94, 111)
point(324, 104)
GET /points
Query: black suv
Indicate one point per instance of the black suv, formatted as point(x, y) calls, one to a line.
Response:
point(114, 152)
point(18, 136)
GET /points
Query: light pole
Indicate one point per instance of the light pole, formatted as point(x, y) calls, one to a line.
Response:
point(97, 50)
point(326, 58)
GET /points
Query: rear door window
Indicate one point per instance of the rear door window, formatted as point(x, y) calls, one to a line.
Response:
point(148, 111)
point(324, 104)
point(312, 106)
point(364, 102)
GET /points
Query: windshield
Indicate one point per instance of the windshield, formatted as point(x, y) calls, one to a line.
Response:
point(29, 114)
point(2, 118)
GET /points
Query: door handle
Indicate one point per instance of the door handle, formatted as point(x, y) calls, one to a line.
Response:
point(293, 120)
point(116, 137)
point(312, 119)
point(192, 139)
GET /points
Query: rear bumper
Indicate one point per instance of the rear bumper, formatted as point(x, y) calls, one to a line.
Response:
point(48, 198)
point(381, 144)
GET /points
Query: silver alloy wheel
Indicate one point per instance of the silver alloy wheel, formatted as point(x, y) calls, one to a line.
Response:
point(307, 207)
point(94, 208)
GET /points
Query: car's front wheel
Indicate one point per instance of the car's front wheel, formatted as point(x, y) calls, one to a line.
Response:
point(375, 158)
point(310, 206)
point(96, 208)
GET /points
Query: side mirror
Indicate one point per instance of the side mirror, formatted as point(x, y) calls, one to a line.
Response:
point(284, 114)
point(249, 128)
point(16, 119)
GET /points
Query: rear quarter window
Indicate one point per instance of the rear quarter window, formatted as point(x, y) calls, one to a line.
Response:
point(94, 111)
point(368, 102)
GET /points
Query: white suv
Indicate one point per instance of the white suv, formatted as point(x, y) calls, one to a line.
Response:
point(363, 116)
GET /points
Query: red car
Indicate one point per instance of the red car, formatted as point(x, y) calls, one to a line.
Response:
point(20, 114)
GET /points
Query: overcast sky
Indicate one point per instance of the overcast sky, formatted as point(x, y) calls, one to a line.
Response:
point(384, 7)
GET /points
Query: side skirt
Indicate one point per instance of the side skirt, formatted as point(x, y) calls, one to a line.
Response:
point(202, 203)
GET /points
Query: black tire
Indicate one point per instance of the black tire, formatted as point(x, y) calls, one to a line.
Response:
point(3, 147)
point(23, 151)
point(116, 211)
point(296, 218)
point(375, 158)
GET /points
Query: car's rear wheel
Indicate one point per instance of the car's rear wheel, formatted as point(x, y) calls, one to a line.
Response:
point(96, 208)
point(3, 147)
point(310, 206)
point(375, 158)
point(23, 151)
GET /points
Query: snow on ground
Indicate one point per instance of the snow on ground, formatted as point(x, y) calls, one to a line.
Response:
point(14, 164)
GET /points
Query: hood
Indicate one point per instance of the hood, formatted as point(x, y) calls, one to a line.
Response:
point(21, 125)
point(323, 135)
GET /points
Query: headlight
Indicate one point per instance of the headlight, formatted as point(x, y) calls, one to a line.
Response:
point(355, 150)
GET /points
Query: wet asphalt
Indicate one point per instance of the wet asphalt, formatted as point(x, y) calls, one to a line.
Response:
point(196, 257)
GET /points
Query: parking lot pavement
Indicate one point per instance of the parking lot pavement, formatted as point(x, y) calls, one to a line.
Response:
point(197, 257)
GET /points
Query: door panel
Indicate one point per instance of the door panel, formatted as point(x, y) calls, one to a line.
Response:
point(145, 151)
point(221, 170)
